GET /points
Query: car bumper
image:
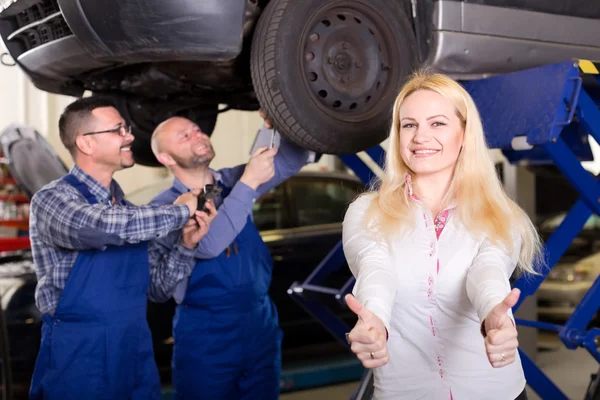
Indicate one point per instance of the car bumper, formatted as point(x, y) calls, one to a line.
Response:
point(59, 49)
point(471, 41)
point(563, 292)
point(559, 299)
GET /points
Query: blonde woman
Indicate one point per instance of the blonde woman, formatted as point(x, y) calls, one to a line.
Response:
point(432, 250)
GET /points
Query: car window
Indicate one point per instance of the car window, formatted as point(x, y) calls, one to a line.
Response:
point(321, 201)
point(269, 210)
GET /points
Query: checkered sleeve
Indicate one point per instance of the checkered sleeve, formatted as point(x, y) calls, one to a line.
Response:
point(170, 263)
point(64, 219)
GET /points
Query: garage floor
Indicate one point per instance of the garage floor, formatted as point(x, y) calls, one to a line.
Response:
point(570, 370)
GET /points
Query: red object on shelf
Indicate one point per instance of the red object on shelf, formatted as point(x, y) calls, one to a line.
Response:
point(22, 224)
point(17, 198)
point(14, 243)
point(8, 181)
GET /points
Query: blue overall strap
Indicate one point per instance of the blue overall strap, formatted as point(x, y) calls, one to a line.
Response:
point(81, 188)
point(172, 189)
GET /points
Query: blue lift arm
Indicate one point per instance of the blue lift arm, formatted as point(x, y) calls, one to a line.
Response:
point(548, 109)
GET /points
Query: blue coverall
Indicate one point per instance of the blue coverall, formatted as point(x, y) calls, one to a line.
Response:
point(97, 344)
point(226, 327)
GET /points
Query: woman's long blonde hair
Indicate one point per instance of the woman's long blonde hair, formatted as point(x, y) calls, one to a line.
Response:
point(483, 207)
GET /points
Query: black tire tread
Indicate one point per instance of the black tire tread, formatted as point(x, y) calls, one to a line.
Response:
point(264, 74)
point(264, 42)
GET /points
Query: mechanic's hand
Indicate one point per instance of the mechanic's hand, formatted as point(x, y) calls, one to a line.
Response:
point(260, 168)
point(368, 337)
point(211, 210)
point(501, 334)
point(194, 230)
point(197, 227)
point(190, 199)
point(263, 115)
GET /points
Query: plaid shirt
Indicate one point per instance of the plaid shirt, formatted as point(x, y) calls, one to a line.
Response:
point(62, 222)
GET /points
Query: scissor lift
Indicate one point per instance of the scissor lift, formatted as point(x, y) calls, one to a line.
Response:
point(541, 115)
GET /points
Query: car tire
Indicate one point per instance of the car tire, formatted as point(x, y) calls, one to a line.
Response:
point(144, 116)
point(327, 72)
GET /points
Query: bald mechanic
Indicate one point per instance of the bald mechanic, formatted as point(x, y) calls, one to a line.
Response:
point(91, 251)
point(226, 329)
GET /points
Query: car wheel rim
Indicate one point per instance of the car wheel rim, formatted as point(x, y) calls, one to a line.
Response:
point(345, 61)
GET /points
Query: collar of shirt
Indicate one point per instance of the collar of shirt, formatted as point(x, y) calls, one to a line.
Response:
point(182, 188)
point(98, 190)
point(409, 188)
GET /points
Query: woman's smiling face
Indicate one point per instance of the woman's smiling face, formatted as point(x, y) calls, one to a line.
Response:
point(431, 134)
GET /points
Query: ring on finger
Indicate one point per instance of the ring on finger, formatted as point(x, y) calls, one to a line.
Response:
point(348, 338)
point(372, 356)
point(503, 356)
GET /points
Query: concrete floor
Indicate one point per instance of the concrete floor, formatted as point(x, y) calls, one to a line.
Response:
point(570, 370)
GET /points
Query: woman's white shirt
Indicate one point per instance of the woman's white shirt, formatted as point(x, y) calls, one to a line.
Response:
point(432, 295)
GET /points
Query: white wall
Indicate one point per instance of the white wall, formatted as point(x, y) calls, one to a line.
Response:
point(16, 103)
point(21, 102)
point(233, 138)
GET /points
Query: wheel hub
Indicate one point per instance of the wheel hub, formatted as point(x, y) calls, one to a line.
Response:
point(345, 61)
point(342, 63)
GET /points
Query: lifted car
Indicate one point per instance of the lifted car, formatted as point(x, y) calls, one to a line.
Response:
point(326, 71)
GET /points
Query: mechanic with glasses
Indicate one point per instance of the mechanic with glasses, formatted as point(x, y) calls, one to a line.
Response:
point(92, 251)
point(121, 129)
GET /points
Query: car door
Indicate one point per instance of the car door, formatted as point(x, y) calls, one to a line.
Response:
point(271, 215)
point(317, 205)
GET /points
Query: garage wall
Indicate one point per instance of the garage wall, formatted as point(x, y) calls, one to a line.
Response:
point(21, 102)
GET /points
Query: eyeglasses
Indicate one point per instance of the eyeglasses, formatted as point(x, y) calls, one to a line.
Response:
point(122, 130)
